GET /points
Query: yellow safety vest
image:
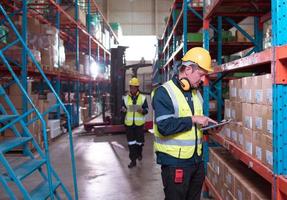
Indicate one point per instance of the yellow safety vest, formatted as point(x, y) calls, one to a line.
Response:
point(132, 116)
point(180, 145)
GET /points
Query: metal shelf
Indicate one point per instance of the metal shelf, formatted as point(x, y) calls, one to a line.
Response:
point(240, 154)
point(242, 8)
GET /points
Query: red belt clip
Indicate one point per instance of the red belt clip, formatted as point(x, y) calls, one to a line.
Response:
point(178, 178)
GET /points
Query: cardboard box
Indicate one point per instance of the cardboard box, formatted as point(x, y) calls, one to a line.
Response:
point(240, 135)
point(240, 37)
point(248, 136)
point(232, 90)
point(258, 139)
point(257, 89)
point(227, 109)
point(239, 91)
point(247, 115)
point(71, 12)
point(227, 131)
point(260, 115)
point(268, 121)
point(267, 89)
point(248, 96)
point(268, 151)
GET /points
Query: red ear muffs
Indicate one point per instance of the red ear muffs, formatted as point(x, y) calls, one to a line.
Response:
point(185, 84)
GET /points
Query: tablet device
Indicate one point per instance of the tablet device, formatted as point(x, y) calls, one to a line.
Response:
point(212, 125)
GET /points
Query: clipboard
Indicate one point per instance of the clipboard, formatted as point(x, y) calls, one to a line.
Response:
point(212, 125)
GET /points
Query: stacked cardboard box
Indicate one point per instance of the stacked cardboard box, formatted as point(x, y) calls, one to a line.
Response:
point(250, 107)
point(232, 179)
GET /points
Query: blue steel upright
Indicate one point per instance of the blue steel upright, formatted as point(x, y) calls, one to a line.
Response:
point(279, 38)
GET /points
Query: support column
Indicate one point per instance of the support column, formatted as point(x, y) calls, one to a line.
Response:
point(219, 61)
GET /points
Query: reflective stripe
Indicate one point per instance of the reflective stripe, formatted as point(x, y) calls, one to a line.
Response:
point(132, 142)
point(175, 142)
point(173, 98)
point(139, 143)
point(163, 117)
point(136, 118)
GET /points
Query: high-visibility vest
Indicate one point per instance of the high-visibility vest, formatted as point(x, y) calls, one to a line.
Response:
point(180, 145)
point(132, 116)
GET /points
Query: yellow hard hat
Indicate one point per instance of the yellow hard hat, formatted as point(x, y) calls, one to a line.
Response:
point(199, 56)
point(134, 82)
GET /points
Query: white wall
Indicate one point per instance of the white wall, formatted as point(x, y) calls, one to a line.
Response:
point(137, 17)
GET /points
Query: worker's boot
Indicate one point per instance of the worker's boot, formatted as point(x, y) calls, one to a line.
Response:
point(132, 164)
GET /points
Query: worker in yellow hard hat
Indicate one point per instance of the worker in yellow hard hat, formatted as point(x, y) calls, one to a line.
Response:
point(178, 118)
point(135, 108)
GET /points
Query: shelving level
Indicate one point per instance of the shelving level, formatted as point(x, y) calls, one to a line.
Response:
point(80, 28)
point(257, 61)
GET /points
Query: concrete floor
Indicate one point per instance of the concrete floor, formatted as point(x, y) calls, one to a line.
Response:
point(102, 168)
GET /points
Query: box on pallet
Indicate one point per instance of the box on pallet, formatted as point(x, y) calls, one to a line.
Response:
point(258, 140)
point(268, 151)
point(236, 111)
point(72, 12)
point(248, 136)
point(269, 121)
point(267, 89)
point(227, 109)
point(259, 117)
point(247, 115)
point(247, 90)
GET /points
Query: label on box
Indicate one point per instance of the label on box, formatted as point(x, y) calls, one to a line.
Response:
point(241, 94)
point(239, 195)
point(240, 138)
point(227, 132)
point(233, 92)
point(248, 147)
point(269, 96)
point(258, 153)
point(269, 157)
point(227, 113)
point(217, 170)
point(228, 178)
point(258, 123)
point(258, 96)
point(248, 122)
point(234, 136)
point(248, 95)
point(270, 126)
point(233, 114)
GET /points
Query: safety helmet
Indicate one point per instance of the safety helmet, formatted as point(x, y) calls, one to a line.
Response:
point(199, 56)
point(134, 82)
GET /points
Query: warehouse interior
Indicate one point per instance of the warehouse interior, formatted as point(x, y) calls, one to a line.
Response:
point(68, 69)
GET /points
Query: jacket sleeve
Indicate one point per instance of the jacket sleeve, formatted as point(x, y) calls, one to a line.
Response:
point(164, 117)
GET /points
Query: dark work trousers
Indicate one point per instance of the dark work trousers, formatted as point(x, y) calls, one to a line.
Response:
point(135, 137)
point(189, 189)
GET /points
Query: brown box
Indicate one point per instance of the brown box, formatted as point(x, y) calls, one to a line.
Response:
point(268, 121)
point(240, 37)
point(247, 115)
point(71, 12)
point(227, 109)
point(241, 192)
point(258, 139)
point(240, 135)
point(248, 96)
point(247, 133)
point(268, 152)
point(259, 117)
point(257, 90)
point(267, 89)
point(232, 90)
point(239, 91)
point(227, 131)
point(236, 111)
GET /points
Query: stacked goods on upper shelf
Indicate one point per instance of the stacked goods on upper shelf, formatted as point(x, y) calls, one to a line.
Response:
point(233, 180)
point(42, 39)
point(250, 107)
point(72, 12)
point(116, 27)
point(84, 64)
point(267, 30)
point(241, 38)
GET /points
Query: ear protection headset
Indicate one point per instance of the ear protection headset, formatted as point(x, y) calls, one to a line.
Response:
point(185, 84)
